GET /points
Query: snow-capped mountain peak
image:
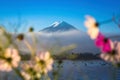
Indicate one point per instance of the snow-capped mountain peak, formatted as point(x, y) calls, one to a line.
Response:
point(55, 24)
point(59, 27)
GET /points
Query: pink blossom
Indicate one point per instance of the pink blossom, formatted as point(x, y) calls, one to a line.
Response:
point(107, 46)
point(44, 62)
point(90, 22)
point(93, 32)
point(10, 59)
point(114, 55)
point(99, 40)
point(103, 43)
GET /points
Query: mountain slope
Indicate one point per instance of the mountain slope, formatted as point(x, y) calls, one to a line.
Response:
point(59, 27)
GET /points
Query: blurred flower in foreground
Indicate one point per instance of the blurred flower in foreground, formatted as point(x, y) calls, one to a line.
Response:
point(105, 44)
point(93, 33)
point(114, 55)
point(92, 27)
point(2, 30)
point(90, 22)
point(31, 29)
point(20, 37)
point(29, 72)
point(5, 38)
point(44, 62)
point(10, 59)
point(110, 50)
point(99, 41)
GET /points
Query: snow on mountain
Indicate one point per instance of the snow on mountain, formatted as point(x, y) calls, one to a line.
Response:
point(59, 27)
point(55, 24)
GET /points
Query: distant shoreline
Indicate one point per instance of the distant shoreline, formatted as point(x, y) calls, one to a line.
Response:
point(82, 57)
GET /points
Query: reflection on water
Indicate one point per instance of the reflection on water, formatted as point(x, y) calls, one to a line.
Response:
point(78, 70)
point(87, 70)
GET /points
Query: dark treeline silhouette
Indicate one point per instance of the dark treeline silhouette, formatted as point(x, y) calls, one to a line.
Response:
point(76, 56)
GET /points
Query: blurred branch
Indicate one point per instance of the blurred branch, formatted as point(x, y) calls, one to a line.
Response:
point(115, 19)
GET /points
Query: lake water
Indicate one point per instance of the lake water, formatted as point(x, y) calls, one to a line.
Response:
point(88, 70)
point(79, 70)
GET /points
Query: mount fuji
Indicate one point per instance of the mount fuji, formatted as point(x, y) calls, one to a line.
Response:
point(61, 34)
point(59, 27)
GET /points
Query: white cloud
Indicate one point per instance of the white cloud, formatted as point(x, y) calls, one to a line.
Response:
point(55, 41)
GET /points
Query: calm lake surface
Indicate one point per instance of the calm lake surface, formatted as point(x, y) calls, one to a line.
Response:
point(79, 70)
point(87, 70)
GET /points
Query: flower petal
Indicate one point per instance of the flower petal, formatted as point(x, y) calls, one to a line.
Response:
point(93, 33)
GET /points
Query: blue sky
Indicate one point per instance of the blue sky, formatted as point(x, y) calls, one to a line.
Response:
point(42, 13)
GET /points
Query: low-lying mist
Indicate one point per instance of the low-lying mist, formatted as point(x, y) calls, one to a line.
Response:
point(75, 41)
